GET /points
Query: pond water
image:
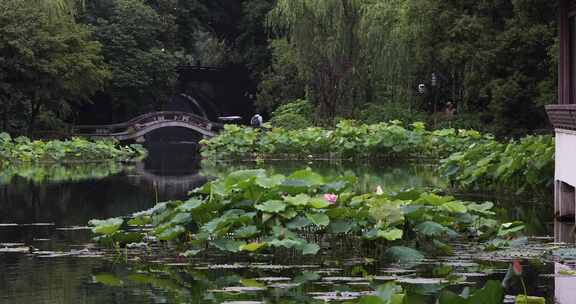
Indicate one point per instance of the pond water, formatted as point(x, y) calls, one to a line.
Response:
point(46, 253)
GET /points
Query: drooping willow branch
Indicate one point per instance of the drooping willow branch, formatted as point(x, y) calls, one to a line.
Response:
point(362, 41)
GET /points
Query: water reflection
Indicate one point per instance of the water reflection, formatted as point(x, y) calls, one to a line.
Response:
point(390, 176)
point(44, 208)
point(564, 284)
point(70, 195)
point(58, 173)
point(66, 197)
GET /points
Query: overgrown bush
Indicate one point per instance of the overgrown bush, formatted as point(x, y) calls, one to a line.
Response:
point(373, 113)
point(471, 121)
point(293, 116)
point(22, 149)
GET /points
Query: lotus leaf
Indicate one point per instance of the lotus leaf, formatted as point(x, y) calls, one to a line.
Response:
point(318, 219)
point(298, 200)
point(403, 254)
point(246, 232)
point(106, 227)
point(251, 247)
point(430, 228)
point(171, 233)
point(272, 206)
point(228, 245)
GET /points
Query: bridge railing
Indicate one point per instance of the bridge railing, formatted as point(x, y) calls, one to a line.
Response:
point(144, 121)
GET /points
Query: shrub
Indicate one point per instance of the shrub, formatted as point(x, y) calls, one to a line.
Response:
point(22, 149)
point(294, 115)
point(373, 113)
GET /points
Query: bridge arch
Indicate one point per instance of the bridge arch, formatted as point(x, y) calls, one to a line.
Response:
point(142, 125)
point(166, 126)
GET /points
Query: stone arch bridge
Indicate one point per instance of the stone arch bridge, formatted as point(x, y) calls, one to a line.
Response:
point(137, 128)
point(205, 97)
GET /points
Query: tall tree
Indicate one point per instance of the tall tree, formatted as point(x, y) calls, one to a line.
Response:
point(47, 64)
point(140, 47)
point(495, 59)
point(59, 8)
point(341, 47)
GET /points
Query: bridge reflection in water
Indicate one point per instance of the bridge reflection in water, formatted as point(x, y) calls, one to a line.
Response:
point(172, 169)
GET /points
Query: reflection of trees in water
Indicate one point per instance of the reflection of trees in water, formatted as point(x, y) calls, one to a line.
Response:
point(58, 173)
point(63, 281)
point(391, 177)
point(537, 212)
point(74, 194)
point(288, 278)
point(170, 170)
point(71, 203)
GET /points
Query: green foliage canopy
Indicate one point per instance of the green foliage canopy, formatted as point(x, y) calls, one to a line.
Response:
point(341, 47)
point(137, 40)
point(46, 64)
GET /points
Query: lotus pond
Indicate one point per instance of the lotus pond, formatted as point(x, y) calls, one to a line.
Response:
point(47, 252)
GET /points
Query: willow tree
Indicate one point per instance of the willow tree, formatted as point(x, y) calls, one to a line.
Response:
point(345, 48)
point(59, 8)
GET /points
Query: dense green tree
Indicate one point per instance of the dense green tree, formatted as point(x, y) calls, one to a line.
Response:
point(139, 47)
point(46, 64)
point(252, 41)
point(493, 58)
point(496, 60)
point(343, 47)
point(282, 81)
point(59, 8)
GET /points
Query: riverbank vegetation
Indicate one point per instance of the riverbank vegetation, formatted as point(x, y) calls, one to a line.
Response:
point(524, 164)
point(348, 140)
point(468, 159)
point(24, 150)
point(461, 53)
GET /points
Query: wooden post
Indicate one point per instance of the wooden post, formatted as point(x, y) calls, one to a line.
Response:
point(565, 200)
point(564, 87)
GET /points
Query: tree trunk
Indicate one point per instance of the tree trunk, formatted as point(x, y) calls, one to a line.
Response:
point(5, 116)
point(34, 111)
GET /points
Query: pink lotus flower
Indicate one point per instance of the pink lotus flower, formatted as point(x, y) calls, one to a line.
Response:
point(517, 267)
point(331, 198)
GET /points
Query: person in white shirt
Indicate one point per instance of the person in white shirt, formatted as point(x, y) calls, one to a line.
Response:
point(256, 121)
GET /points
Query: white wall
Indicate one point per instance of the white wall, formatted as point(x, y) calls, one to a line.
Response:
point(566, 156)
